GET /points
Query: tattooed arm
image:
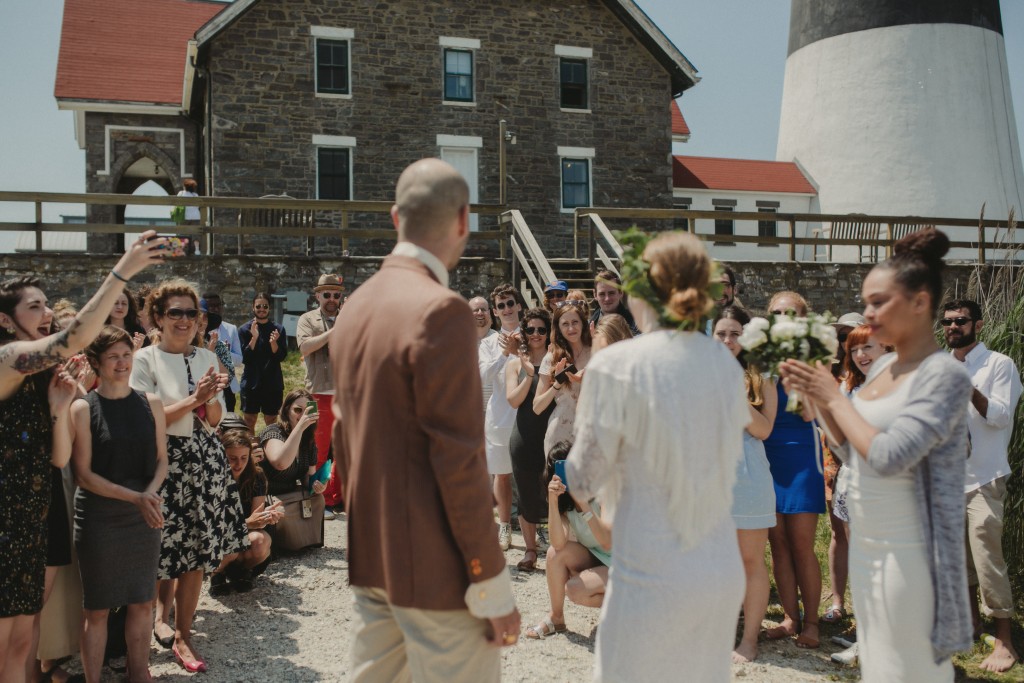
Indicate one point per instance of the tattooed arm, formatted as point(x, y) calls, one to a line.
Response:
point(24, 357)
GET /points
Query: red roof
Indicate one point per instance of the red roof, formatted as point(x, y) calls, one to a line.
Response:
point(747, 175)
point(679, 126)
point(127, 50)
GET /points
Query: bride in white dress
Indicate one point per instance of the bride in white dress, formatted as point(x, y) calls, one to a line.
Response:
point(659, 432)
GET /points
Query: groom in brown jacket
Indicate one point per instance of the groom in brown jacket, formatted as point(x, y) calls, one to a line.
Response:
point(432, 594)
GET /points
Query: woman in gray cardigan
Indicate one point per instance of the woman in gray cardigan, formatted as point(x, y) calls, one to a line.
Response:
point(907, 429)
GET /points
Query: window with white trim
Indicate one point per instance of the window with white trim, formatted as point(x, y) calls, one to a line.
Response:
point(333, 166)
point(766, 228)
point(332, 52)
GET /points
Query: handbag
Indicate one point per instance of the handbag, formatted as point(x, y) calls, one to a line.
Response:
point(303, 523)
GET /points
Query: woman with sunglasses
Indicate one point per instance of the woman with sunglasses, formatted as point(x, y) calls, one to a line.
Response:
point(799, 500)
point(527, 442)
point(203, 518)
point(570, 346)
point(290, 445)
point(35, 435)
point(264, 347)
point(905, 433)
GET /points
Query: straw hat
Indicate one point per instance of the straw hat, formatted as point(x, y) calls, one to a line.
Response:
point(329, 281)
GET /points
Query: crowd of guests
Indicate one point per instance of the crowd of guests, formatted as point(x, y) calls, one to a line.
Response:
point(127, 398)
point(134, 393)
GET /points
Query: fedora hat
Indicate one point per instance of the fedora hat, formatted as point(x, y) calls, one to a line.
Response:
point(329, 281)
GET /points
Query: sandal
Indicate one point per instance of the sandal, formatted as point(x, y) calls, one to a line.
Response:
point(833, 615)
point(525, 565)
point(805, 643)
point(544, 629)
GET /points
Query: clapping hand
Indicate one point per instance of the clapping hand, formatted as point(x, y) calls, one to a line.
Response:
point(138, 339)
point(62, 390)
point(149, 505)
point(274, 336)
point(509, 343)
point(212, 344)
point(576, 376)
point(255, 331)
point(209, 385)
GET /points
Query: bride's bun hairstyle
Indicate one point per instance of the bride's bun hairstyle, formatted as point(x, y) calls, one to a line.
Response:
point(917, 263)
point(680, 274)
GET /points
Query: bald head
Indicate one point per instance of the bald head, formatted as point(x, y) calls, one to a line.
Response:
point(430, 195)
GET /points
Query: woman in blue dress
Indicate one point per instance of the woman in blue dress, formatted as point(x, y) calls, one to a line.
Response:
point(799, 499)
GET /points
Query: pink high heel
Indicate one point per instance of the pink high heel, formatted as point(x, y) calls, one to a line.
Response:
point(196, 666)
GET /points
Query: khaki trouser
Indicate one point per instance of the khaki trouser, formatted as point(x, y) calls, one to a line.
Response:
point(986, 567)
point(405, 644)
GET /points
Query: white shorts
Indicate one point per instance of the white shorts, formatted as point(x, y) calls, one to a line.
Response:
point(499, 461)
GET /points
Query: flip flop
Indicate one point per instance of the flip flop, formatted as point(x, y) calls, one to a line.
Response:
point(525, 565)
point(833, 615)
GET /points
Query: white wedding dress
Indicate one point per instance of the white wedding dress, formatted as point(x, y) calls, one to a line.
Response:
point(659, 432)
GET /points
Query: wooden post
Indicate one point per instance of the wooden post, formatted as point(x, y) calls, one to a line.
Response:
point(344, 233)
point(39, 220)
point(981, 242)
point(501, 161)
point(792, 240)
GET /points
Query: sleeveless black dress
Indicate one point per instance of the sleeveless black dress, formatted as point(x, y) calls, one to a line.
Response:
point(528, 457)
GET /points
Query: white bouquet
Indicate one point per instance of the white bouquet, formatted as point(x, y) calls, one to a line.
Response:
point(767, 344)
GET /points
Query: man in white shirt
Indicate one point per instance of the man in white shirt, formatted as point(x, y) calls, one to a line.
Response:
point(997, 388)
point(228, 334)
point(482, 317)
point(500, 417)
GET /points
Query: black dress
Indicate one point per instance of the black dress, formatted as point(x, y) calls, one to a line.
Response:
point(111, 532)
point(26, 438)
point(528, 458)
point(283, 481)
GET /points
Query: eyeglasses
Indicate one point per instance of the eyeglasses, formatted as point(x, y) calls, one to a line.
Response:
point(501, 306)
point(959, 322)
point(554, 294)
point(788, 311)
point(535, 330)
point(331, 295)
point(179, 313)
point(259, 306)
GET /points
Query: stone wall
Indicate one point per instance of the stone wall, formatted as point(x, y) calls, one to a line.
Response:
point(834, 287)
point(265, 112)
point(237, 278)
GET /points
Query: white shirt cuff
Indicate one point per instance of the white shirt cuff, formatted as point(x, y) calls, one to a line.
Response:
point(491, 598)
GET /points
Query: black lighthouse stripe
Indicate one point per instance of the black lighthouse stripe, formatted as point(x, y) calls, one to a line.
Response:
point(814, 20)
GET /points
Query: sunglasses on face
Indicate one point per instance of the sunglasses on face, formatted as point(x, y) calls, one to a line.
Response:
point(554, 295)
point(505, 304)
point(261, 306)
point(179, 313)
point(577, 304)
point(535, 330)
point(959, 322)
point(331, 295)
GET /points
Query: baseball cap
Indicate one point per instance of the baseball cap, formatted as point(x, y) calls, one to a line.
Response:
point(556, 286)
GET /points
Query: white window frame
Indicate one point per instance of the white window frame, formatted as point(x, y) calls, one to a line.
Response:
point(332, 33)
point(575, 52)
point(471, 45)
point(570, 153)
point(336, 142)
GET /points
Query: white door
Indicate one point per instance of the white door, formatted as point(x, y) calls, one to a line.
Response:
point(465, 162)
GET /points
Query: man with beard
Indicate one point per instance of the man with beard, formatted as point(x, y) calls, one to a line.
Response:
point(484, 329)
point(228, 334)
point(997, 388)
point(312, 333)
point(264, 347)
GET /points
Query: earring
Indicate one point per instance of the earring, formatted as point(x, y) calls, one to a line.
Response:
point(10, 331)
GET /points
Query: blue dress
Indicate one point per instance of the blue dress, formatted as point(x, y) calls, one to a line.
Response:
point(799, 486)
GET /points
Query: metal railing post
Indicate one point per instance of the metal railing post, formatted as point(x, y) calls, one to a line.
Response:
point(591, 244)
point(39, 221)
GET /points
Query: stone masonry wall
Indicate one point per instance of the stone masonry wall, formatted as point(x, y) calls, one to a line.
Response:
point(265, 112)
point(833, 287)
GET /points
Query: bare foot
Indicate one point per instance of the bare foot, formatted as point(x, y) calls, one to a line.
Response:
point(744, 652)
point(1002, 659)
point(787, 628)
point(808, 638)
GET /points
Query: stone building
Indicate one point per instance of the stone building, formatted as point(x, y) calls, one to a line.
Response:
point(332, 100)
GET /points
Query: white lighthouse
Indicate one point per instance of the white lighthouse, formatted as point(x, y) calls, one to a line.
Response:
point(902, 107)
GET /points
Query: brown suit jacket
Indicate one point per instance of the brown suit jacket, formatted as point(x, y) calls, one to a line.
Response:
point(409, 440)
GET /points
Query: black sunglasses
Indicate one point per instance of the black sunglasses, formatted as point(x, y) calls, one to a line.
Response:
point(535, 330)
point(506, 304)
point(554, 294)
point(331, 295)
point(179, 313)
point(960, 322)
point(262, 306)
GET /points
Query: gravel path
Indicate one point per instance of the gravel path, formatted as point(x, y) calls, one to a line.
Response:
point(295, 626)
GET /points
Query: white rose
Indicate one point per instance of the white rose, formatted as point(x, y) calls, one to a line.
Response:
point(831, 343)
point(751, 338)
point(759, 324)
point(805, 348)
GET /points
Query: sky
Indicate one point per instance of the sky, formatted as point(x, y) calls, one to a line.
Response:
point(737, 46)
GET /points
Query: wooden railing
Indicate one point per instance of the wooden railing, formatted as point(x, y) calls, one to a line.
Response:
point(224, 216)
point(985, 237)
point(527, 258)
